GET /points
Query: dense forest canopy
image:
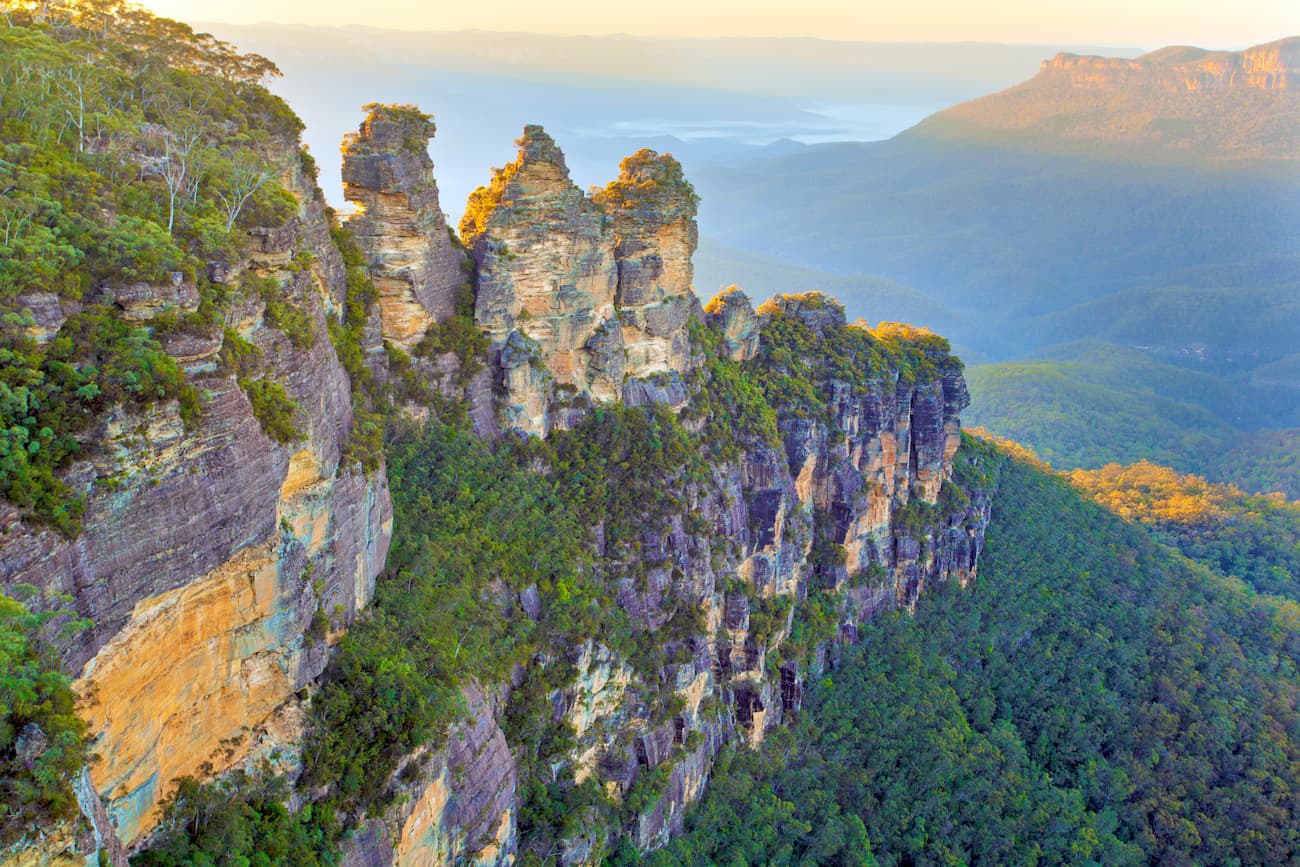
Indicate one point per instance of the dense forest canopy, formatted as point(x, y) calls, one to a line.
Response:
point(1094, 698)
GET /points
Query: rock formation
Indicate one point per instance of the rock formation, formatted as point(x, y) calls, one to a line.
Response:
point(216, 565)
point(653, 210)
point(731, 312)
point(580, 296)
point(219, 565)
point(854, 479)
point(388, 177)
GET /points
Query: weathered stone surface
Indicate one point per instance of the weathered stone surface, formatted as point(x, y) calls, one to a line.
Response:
point(48, 312)
point(388, 176)
point(205, 552)
point(731, 313)
point(1180, 103)
point(601, 286)
point(140, 302)
point(653, 210)
point(546, 270)
point(461, 806)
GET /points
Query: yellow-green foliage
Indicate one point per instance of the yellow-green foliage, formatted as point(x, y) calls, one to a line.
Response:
point(1253, 537)
point(729, 399)
point(483, 202)
point(651, 181)
point(49, 394)
point(279, 314)
point(421, 127)
point(800, 363)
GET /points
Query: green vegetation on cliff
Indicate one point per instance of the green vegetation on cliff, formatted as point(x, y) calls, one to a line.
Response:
point(806, 345)
point(473, 529)
point(134, 151)
point(239, 821)
point(1094, 698)
point(42, 740)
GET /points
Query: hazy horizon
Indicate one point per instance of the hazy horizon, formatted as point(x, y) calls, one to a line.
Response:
point(1205, 23)
point(708, 100)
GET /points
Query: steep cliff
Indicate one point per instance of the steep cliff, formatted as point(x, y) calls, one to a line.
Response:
point(214, 531)
point(818, 482)
point(653, 210)
point(1178, 103)
point(568, 627)
point(214, 563)
point(581, 296)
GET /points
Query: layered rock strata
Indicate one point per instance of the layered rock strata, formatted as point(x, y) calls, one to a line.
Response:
point(581, 296)
point(744, 555)
point(215, 564)
point(388, 178)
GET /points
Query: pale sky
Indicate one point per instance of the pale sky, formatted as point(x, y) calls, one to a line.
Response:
point(1150, 23)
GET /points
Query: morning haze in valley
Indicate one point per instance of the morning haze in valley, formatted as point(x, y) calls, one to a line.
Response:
point(689, 433)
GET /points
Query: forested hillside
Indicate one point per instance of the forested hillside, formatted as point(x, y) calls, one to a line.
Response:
point(1111, 244)
point(134, 153)
point(370, 543)
point(1096, 698)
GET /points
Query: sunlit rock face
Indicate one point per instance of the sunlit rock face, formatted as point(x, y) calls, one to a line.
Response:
point(1180, 104)
point(731, 312)
point(388, 177)
point(458, 808)
point(599, 287)
point(886, 445)
point(653, 211)
point(215, 564)
point(1272, 66)
point(546, 271)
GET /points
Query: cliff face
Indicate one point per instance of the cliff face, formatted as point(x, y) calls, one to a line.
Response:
point(852, 500)
point(388, 176)
point(219, 565)
point(1273, 66)
point(580, 296)
point(216, 564)
point(1178, 102)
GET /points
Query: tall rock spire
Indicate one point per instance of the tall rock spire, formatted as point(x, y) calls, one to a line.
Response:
point(546, 282)
point(388, 176)
point(653, 210)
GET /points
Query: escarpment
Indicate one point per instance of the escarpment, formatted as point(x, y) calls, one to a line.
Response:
point(734, 492)
point(1273, 66)
point(1178, 103)
point(218, 558)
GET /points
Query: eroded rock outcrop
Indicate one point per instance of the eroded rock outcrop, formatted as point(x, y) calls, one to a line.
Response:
point(653, 211)
point(731, 312)
point(598, 289)
point(1272, 66)
point(461, 805)
point(546, 272)
point(258, 552)
point(388, 176)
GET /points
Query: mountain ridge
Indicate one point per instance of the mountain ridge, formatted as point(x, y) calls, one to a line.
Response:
point(1177, 102)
